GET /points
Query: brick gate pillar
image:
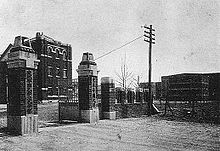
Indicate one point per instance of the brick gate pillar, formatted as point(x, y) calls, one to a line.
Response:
point(108, 98)
point(22, 63)
point(88, 89)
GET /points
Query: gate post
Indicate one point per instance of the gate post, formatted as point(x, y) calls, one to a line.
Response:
point(22, 64)
point(108, 98)
point(88, 89)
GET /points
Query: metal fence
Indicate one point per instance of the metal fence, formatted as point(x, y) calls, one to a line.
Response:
point(68, 90)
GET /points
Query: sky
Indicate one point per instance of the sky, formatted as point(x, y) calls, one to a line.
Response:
point(187, 32)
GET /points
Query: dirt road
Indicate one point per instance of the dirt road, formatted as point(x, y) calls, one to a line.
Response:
point(124, 134)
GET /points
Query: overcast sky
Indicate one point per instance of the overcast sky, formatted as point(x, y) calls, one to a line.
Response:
point(187, 32)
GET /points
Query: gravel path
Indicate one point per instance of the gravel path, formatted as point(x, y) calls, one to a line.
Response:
point(149, 133)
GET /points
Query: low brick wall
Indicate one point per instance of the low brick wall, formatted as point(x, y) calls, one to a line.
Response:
point(68, 111)
point(130, 110)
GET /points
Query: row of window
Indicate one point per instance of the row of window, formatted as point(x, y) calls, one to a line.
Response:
point(57, 51)
point(57, 91)
point(50, 71)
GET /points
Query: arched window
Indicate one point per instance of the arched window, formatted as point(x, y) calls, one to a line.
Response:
point(64, 55)
point(64, 73)
point(57, 53)
point(50, 70)
point(49, 50)
point(57, 72)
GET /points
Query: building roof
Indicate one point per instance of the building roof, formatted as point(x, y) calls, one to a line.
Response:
point(188, 74)
point(5, 52)
point(49, 39)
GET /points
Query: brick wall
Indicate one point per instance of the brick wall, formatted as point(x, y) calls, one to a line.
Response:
point(22, 102)
point(16, 92)
point(108, 97)
point(68, 111)
point(35, 91)
point(87, 92)
point(130, 110)
point(114, 99)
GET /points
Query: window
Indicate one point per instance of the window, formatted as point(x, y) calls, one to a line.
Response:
point(58, 72)
point(50, 81)
point(49, 50)
point(50, 71)
point(57, 53)
point(56, 91)
point(64, 90)
point(50, 92)
point(64, 73)
point(64, 55)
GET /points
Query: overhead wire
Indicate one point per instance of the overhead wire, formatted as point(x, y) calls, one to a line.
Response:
point(119, 47)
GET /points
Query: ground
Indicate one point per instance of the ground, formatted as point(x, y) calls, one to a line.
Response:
point(146, 133)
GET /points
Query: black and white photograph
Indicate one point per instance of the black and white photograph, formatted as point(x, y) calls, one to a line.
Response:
point(110, 75)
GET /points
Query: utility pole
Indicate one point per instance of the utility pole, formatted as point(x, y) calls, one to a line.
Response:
point(149, 37)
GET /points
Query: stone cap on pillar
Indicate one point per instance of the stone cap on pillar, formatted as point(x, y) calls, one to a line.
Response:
point(107, 80)
point(87, 57)
point(87, 66)
point(22, 54)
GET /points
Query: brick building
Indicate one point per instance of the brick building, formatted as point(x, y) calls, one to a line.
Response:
point(3, 74)
point(191, 87)
point(3, 88)
point(55, 65)
point(194, 94)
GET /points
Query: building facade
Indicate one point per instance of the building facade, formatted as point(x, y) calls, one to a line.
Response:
point(55, 65)
point(54, 70)
point(191, 88)
point(193, 95)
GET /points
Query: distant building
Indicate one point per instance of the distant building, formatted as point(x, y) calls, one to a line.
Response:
point(155, 88)
point(191, 88)
point(55, 65)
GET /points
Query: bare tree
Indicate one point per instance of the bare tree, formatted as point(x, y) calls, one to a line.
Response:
point(125, 77)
